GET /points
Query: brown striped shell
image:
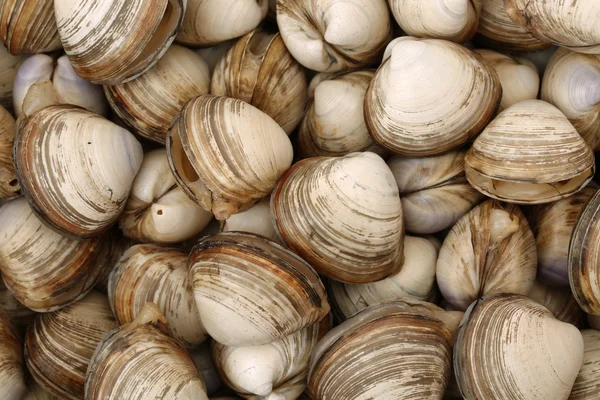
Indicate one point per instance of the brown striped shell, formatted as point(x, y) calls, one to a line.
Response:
point(560, 302)
point(587, 385)
point(9, 185)
point(9, 65)
point(12, 378)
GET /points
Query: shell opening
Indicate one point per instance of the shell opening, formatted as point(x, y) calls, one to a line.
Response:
point(182, 162)
point(253, 60)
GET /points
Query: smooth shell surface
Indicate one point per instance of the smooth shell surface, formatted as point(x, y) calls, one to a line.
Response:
point(587, 385)
point(254, 220)
point(560, 302)
point(12, 378)
point(9, 185)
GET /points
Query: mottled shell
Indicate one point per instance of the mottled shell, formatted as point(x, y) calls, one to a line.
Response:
point(8, 70)
point(113, 41)
point(149, 103)
point(510, 347)
point(529, 154)
point(587, 385)
point(9, 186)
point(342, 215)
point(261, 71)
point(76, 168)
point(434, 191)
point(20, 315)
point(560, 302)
point(252, 291)
point(12, 378)
point(226, 154)
point(430, 96)
point(385, 352)
point(334, 35)
point(254, 220)
point(60, 344)
point(44, 270)
point(151, 273)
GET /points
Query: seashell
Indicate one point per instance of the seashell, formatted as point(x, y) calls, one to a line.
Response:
point(497, 31)
point(44, 270)
point(319, 36)
point(213, 54)
point(9, 65)
point(594, 321)
point(12, 379)
point(519, 77)
point(529, 154)
point(149, 103)
point(157, 210)
point(342, 215)
point(587, 385)
point(202, 358)
point(413, 109)
point(255, 220)
point(114, 41)
point(151, 273)
point(226, 154)
point(75, 168)
point(539, 58)
point(510, 347)
point(9, 185)
point(434, 191)
point(141, 351)
point(334, 124)
point(384, 352)
point(552, 225)
point(20, 315)
point(208, 22)
point(572, 25)
point(110, 253)
point(252, 291)
point(572, 84)
point(60, 344)
point(261, 71)
point(489, 250)
point(560, 302)
point(258, 371)
point(449, 20)
point(28, 26)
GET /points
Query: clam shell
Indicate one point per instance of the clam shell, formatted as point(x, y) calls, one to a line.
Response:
point(12, 379)
point(252, 291)
point(9, 185)
point(510, 347)
point(8, 69)
point(560, 302)
point(226, 154)
point(342, 215)
point(213, 54)
point(76, 168)
point(587, 385)
point(529, 154)
point(254, 220)
point(18, 313)
point(113, 41)
point(414, 108)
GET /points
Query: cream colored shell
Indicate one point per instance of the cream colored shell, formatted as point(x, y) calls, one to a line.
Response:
point(12, 378)
point(9, 185)
point(8, 70)
point(587, 385)
point(254, 220)
point(560, 302)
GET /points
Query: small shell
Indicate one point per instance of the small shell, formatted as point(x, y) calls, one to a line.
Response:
point(587, 385)
point(560, 302)
point(510, 347)
point(19, 314)
point(60, 344)
point(529, 154)
point(149, 103)
point(12, 379)
point(226, 154)
point(9, 65)
point(320, 37)
point(254, 220)
point(260, 70)
point(252, 291)
point(9, 186)
point(342, 215)
point(430, 96)
point(113, 41)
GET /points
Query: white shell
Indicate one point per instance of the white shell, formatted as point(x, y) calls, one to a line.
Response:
point(254, 220)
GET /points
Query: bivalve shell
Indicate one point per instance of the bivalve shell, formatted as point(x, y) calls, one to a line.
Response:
point(12, 378)
point(587, 386)
point(254, 220)
point(9, 65)
point(560, 302)
point(18, 313)
point(9, 185)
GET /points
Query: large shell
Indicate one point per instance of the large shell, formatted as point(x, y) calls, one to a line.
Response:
point(12, 379)
point(252, 291)
point(113, 41)
point(385, 352)
point(430, 96)
point(139, 360)
point(489, 250)
point(151, 273)
point(434, 191)
point(334, 35)
point(9, 186)
point(587, 385)
point(530, 153)
point(254, 220)
point(572, 83)
point(60, 344)
point(19, 314)
point(149, 103)
point(510, 347)
point(226, 154)
point(8, 70)
point(560, 302)
point(342, 215)
point(261, 71)
point(76, 168)
point(44, 270)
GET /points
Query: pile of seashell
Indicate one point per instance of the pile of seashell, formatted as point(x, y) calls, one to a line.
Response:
point(299, 199)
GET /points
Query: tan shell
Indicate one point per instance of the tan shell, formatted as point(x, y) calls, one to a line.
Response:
point(342, 215)
point(139, 352)
point(529, 154)
point(226, 154)
point(113, 41)
point(489, 250)
point(572, 83)
point(60, 344)
point(20, 315)
point(9, 65)
point(510, 347)
point(151, 273)
point(430, 96)
point(254, 220)
point(260, 70)
point(320, 36)
point(12, 379)
point(560, 302)
point(252, 291)
point(587, 386)
point(434, 191)
point(9, 186)
point(149, 103)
